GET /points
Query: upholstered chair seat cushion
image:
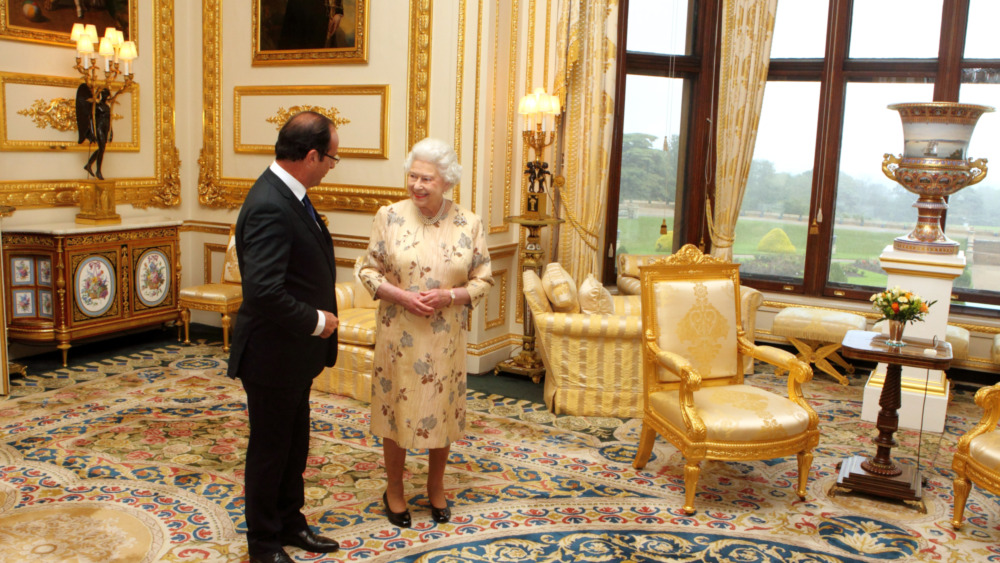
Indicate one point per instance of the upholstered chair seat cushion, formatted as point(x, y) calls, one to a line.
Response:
point(212, 293)
point(985, 449)
point(816, 324)
point(737, 413)
point(560, 289)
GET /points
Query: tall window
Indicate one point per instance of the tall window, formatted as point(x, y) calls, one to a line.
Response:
point(817, 211)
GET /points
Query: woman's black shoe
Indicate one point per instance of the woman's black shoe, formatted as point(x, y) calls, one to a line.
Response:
point(441, 515)
point(401, 519)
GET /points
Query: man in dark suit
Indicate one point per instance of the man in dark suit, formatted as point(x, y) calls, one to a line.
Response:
point(285, 331)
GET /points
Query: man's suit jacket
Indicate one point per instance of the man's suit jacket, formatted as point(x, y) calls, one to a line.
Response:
point(287, 265)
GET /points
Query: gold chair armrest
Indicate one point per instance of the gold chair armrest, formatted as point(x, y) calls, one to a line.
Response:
point(799, 372)
point(989, 399)
point(690, 382)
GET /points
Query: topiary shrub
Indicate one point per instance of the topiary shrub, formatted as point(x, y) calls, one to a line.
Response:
point(776, 242)
point(665, 243)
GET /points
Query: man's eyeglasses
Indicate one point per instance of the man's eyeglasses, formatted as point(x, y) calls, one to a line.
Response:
point(335, 159)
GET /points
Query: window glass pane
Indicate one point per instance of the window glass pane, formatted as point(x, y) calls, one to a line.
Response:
point(896, 29)
point(980, 40)
point(800, 30)
point(649, 169)
point(872, 210)
point(773, 224)
point(974, 212)
point(658, 26)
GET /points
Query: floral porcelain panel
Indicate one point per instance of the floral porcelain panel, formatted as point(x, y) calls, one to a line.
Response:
point(152, 278)
point(95, 286)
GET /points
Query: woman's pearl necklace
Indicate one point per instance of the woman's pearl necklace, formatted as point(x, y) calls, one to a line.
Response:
point(437, 216)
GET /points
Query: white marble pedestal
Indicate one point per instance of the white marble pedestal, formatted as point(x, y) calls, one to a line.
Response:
point(924, 392)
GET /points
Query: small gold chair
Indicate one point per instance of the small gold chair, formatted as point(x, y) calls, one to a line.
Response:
point(695, 397)
point(977, 459)
point(224, 297)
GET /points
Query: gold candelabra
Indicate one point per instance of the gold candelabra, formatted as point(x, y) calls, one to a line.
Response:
point(116, 54)
point(536, 108)
point(95, 100)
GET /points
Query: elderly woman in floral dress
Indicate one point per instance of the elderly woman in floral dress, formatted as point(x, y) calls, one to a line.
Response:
point(428, 265)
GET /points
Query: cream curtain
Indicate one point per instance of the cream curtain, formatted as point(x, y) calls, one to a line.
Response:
point(747, 28)
point(585, 83)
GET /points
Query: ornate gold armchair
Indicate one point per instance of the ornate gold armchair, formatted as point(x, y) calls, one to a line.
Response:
point(695, 397)
point(977, 459)
point(224, 297)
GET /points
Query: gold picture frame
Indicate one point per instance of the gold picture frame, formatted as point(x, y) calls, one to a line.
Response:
point(162, 188)
point(50, 21)
point(310, 32)
point(216, 190)
point(58, 114)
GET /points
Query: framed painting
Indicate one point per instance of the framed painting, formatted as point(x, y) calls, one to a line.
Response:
point(310, 31)
point(50, 21)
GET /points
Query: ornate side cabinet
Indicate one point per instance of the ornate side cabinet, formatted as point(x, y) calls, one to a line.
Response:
point(64, 282)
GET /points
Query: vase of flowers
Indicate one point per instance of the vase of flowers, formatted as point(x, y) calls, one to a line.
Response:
point(899, 307)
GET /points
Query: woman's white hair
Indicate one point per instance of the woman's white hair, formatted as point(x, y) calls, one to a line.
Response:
point(438, 153)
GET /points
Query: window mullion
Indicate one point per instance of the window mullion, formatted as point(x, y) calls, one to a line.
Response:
point(827, 161)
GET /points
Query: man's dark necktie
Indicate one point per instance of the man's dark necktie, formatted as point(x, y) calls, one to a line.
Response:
point(312, 210)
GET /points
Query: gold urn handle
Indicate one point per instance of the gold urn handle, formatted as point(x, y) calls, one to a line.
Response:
point(978, 168)
point(890, 164)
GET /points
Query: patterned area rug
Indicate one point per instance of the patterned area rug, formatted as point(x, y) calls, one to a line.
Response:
point(139, 458)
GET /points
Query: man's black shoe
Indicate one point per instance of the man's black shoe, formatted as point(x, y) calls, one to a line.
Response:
point(309, 541)
point(276, 557)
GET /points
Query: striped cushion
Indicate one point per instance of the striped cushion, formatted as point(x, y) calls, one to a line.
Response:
point(357, 326)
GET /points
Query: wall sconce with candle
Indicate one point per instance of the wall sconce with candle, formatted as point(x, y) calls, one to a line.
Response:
point(95, 100)
point(542, 114)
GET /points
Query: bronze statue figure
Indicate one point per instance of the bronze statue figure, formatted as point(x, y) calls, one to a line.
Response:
point(93, 121)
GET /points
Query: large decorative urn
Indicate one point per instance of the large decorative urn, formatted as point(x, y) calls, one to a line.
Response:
point(934, 165)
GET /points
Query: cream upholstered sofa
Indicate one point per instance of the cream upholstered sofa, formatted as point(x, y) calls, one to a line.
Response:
point(352, 374)
point(593, 364)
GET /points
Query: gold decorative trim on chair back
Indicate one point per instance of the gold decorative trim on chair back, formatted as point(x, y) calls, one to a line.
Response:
point(690, 306)
point(231, 266)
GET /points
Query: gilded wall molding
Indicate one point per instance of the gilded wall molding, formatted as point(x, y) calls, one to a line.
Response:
point(381, 91)
point(493, 344)
point(459, 87)
point(501, 317)
point(58, 114)
point(162, 189)
point(417, 111)
point(215, 190)
point(475, 110)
